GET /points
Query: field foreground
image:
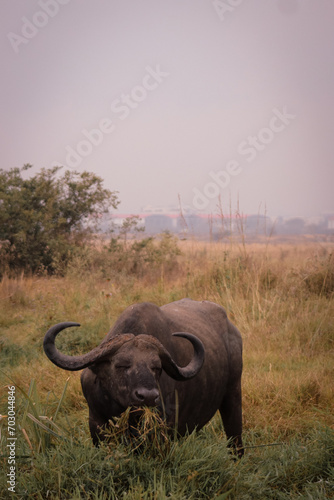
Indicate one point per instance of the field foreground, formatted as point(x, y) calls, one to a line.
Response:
point(281, 297)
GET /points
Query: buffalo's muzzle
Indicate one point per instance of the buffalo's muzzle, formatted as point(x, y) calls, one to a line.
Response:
point(148, 397)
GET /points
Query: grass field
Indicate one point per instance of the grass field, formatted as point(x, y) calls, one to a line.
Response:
point(280, 296)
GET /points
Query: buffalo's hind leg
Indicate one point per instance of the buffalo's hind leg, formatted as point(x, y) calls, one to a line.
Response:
point(231, 413)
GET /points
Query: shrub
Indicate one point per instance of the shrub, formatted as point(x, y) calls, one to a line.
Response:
point(146, 255)
point(42, 217)
point(320, 278)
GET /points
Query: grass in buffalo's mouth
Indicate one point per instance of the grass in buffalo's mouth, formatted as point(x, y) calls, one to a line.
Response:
point(139, 430)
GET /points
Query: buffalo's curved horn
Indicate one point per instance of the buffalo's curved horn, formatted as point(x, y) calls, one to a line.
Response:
point(73, 363)
point(196, 363)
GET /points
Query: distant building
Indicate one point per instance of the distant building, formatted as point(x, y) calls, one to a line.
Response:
point(156, 220)
point(158, 223)
point(294, 225)
point(258, 224)
point(330, 223)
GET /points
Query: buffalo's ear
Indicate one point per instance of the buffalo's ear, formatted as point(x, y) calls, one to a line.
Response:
point(196, 363)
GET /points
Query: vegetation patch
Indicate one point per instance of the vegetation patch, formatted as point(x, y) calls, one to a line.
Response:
point(279, 296)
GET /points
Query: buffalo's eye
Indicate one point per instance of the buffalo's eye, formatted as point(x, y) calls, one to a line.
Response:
point(156, 369)
point(122, 367)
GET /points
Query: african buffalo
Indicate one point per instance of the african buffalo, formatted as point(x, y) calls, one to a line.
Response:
point(142, 361)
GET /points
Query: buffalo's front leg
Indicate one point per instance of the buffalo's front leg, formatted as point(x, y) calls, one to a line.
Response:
point(231, 413)
point(96, 427)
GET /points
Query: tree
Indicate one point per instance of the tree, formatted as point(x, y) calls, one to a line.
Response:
point(129, 225)
point(43, 217)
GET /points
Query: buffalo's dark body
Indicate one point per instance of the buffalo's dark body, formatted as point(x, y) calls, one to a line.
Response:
point(217, 386)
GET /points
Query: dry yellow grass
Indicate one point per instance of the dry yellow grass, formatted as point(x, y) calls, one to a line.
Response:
point(281, 297)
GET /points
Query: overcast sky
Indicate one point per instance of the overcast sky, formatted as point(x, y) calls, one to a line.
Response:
point(190, 98)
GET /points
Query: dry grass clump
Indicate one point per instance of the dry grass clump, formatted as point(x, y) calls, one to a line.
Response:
point(319, 276)
point(140, 430)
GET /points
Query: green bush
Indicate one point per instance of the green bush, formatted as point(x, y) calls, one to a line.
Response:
point(144, 256)
point(42, 217)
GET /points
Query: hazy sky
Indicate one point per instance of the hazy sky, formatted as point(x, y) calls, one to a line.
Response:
point(196, 98)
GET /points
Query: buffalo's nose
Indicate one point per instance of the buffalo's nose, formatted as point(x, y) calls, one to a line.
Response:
point(145, 396)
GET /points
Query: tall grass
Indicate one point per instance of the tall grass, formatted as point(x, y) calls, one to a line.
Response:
point(281, 297)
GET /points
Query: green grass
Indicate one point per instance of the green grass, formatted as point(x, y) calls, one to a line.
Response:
point(281, 299)
point(194, 467)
